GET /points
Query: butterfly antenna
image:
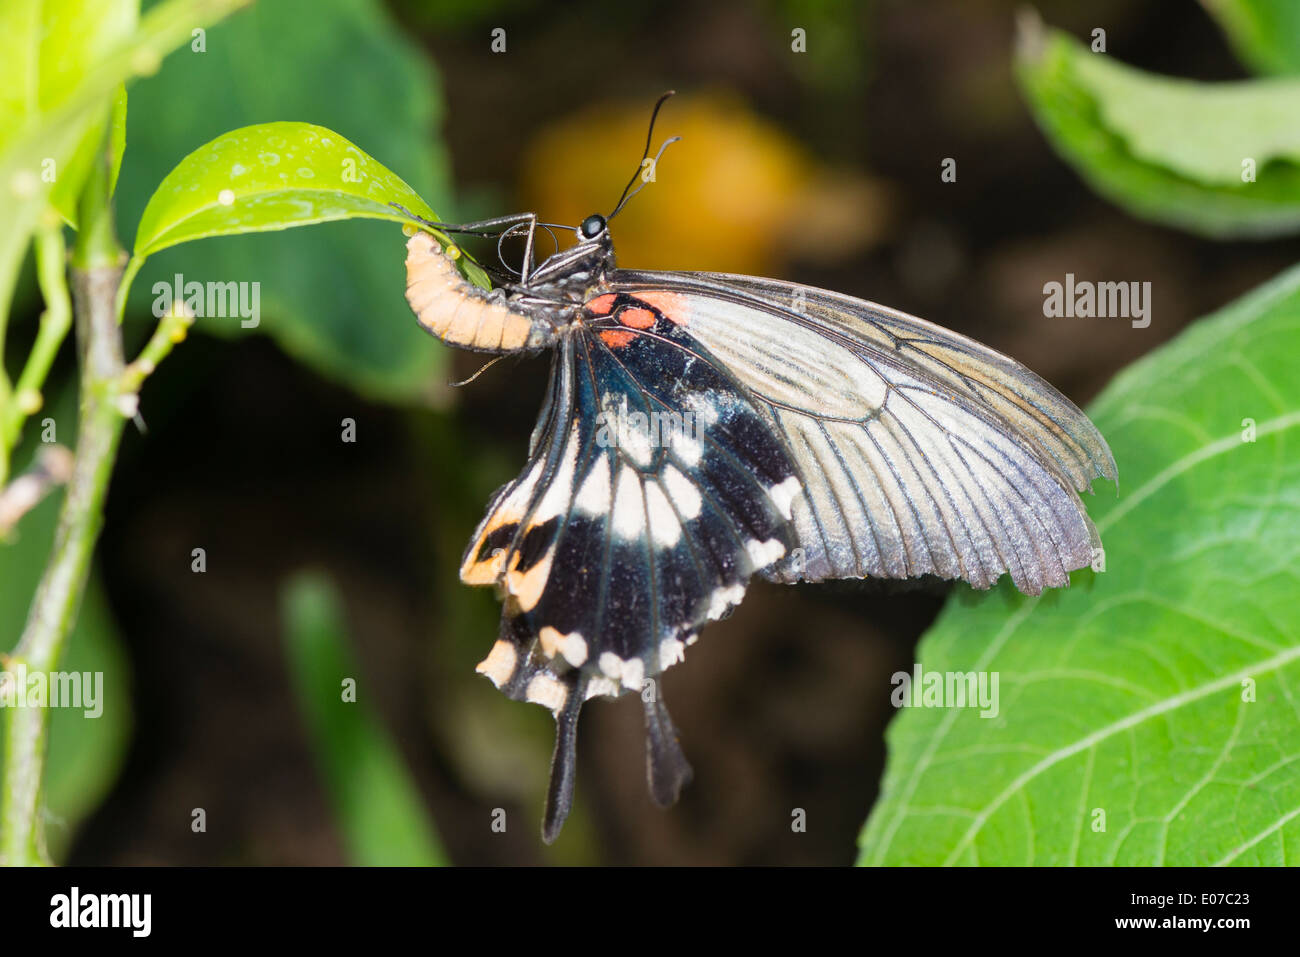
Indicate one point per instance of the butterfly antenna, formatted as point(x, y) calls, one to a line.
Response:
point(628, 193)
point(667, 143)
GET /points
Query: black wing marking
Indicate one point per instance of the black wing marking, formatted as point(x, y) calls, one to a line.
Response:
point(655, 490)
point(920, 451)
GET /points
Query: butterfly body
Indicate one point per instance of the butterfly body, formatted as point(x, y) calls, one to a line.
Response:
point(703, 429)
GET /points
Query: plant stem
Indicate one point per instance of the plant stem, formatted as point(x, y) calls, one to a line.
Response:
point(96, 274)
point(51, 270)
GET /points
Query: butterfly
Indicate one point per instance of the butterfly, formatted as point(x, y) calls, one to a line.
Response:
point(700, 430)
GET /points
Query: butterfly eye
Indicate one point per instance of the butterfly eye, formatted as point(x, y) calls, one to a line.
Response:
point(592, 226)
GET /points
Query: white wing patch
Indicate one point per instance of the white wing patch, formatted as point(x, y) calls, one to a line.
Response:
point(683, 493)
point(556, 499)
point(665, 530)
point(593, 498)
point(629, 505)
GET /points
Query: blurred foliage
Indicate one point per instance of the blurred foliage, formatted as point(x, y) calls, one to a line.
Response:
point(1157, 692)
point(432, 15)
point(737, 194)
point(378, 808)
point(1173, 151)
point(55, 89)
point(76, 34)
point(1265, 33)
point(333, 296)
point(85, 754)
point(835, 57)
point(63, 66)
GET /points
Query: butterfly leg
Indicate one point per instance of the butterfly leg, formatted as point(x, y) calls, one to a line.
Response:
point(667, 770)
point(489, 227)
point(559, 794)
point(503, 227)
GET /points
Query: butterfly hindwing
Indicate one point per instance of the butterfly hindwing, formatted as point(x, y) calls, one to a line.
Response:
point(659, 490)
point(655, 490)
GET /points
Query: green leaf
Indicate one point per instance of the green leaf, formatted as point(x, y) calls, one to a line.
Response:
point(332, 296)
point(1265, 33)
point(86, 753)
point(78, 33)
point(378, 807)
point(46, 110)
point(67, 188)
point(1146, 714)
point(1169, 150)
point(270, 177)
point(117, 138)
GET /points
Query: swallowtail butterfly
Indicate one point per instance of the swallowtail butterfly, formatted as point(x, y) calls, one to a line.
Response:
point(702, 429)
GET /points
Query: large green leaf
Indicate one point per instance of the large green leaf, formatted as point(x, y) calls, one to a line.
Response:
point(1219, 159)
point(377, 805)
point(332, 295)
point(1159, 693)
point(1265, 33)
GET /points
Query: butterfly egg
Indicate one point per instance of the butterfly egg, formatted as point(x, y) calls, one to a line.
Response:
point(460, 313)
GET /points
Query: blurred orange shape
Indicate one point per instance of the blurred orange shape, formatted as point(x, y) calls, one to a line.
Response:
point(737, 194)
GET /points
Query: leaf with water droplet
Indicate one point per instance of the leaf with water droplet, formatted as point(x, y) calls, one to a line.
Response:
point(268, 177)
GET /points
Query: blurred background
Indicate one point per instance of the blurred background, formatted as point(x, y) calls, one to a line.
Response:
point(328, 557)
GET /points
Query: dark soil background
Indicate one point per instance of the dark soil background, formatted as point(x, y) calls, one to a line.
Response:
point(783, 705)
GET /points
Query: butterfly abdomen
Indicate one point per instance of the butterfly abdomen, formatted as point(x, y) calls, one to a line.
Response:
point(460, 313)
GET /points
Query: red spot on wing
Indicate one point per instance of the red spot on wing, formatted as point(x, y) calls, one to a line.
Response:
point(674, 306)
point(616, 338)
point(637, 318)
point(601, 305)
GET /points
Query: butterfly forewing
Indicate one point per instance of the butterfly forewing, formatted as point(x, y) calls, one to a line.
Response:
point(919, 451)
point(947, 359)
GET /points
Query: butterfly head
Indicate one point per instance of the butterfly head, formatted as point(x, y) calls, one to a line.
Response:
point(592, 228)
